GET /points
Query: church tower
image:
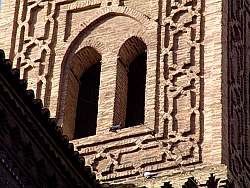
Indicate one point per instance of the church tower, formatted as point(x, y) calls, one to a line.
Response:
point(156, 69)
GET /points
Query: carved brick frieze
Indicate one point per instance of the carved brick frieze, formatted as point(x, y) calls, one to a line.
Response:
point(35, 44)
point(183, 87)
point(183, 70)
point(238, 93)
point(128, 157)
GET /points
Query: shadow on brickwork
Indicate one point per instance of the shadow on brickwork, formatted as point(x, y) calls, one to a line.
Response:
point(191, 182)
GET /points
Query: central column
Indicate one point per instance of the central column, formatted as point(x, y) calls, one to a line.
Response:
point(106, 93)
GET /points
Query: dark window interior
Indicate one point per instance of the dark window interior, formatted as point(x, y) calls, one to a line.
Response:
point(136, 91)
point(87, 106)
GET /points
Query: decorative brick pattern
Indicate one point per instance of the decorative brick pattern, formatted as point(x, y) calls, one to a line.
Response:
point(183, 71)
point(56, 41)
point(34, 45)
point(238, 93)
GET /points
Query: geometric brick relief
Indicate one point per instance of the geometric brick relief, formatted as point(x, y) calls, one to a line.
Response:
point(183, 69)
point(238, 91)
point(115, 158)
point(34, 45)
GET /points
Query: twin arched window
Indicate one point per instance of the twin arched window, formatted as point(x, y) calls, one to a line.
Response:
point(129, 101)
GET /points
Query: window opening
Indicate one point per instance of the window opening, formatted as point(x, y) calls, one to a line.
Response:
point(129, 104)
point(87, 105)
point(136, 91)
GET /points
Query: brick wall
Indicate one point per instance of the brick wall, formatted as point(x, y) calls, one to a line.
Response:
point(185, 92)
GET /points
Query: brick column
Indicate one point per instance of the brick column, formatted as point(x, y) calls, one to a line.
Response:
point(106, 93)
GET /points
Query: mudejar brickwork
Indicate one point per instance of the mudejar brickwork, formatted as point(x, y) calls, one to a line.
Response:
point(173, 74)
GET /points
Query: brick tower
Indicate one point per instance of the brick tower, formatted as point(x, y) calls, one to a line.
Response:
point(156, 68)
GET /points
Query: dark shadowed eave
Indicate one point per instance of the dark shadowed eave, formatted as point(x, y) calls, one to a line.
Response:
point(43, 128)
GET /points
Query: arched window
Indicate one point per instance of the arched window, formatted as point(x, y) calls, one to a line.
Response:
point(81, 105)
point(130, 83)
